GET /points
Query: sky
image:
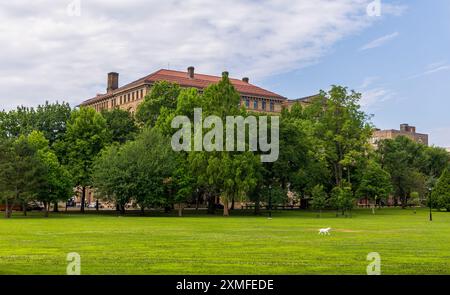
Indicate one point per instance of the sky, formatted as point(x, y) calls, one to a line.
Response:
point(397, 56)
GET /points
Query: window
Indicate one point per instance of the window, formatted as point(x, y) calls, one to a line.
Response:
point(255, 104)
point(142, 93)
point(272, 106)
point(264, 105)
point(132, 96)
point(247, 102)
point(120, 100)
point(128, 97)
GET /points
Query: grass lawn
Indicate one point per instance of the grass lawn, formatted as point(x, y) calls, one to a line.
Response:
point(241, 244)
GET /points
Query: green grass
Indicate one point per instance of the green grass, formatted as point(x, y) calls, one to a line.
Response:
point(198, 244)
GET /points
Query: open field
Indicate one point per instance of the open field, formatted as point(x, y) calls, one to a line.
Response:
point(198, 244)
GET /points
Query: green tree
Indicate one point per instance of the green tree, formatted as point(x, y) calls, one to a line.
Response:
point(86, 135)
point(20, 173)
point(136, 171)
point(375, 183)
point(51, 120)
point(437, 160)
point(342, 198)
point(404, 160)
point(120, 124)
point(441, 192)
point(55, 182)
point(111, 176)
point(344, 130)
point(319, 198)
point(163, 94)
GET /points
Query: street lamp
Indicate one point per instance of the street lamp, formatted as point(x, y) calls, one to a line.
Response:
point(431, 204)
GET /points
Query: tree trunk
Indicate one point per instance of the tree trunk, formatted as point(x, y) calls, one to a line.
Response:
point(257, 206)
point(97, 205)
point(197, 201)
point(55, 207)
point(180, 210)
point(142, 210)
point(211, 204)
point(232, 204)
point(7, 208)
point(83, 199)
point(225, 208)
point(46, 208)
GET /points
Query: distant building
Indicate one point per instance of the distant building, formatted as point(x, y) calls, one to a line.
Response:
point(129, 96)
point(405, 130)
point(448, 149)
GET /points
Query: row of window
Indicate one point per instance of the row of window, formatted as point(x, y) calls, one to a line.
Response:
point(122, 99)
point(263, 105)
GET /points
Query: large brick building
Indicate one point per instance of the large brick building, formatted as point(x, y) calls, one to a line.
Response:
point(405, 130)
point(129, 96)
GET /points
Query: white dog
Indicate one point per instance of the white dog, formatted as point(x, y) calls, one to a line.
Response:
point(324, 231)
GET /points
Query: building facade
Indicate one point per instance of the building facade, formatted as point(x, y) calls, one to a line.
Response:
point(405, 130)
point(129, 96)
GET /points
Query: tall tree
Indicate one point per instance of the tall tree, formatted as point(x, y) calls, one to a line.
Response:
point(375, 183)
point(163, 94)
point(404, 160)
point(441, 193)
point(55, 182)
point(319, 198)
point(86, 135)
point(137, 171)
point(344, 129)
point(20, 173)
point(120, 124)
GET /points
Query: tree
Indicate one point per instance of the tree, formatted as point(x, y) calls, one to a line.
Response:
point(111, 176)
point(120, 124)
point(437, 160)
point(374, 182)
point(404, 160)
point(86, 135)
point(441, 192)
point(55, 182)
point(163, 94)
point(136, 171)
point(344, 130)
point(20, 173)
point(319, 198)
point(182, 184)
point(154, 165)
point(51, 120)
point(342, 198)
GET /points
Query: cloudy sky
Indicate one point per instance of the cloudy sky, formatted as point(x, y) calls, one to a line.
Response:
point(400, 60)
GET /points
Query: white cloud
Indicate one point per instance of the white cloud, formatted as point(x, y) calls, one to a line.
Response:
point(373, 95)
point(380, 41)
point(46, 54)
point(432, 69)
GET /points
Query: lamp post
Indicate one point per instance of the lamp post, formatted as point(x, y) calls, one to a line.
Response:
point(431, 204)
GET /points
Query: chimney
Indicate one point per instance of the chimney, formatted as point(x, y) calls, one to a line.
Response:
point(404, 127)
point(190, 71)
point(245, 79)
point(225, 74)
point(113, 81)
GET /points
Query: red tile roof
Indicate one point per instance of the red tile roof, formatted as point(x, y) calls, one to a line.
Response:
point(199, 81)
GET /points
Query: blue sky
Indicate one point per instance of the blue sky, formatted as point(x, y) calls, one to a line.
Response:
point(407, 78)
point(400, 61)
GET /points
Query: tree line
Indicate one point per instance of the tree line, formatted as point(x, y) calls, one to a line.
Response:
point(325, 157)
